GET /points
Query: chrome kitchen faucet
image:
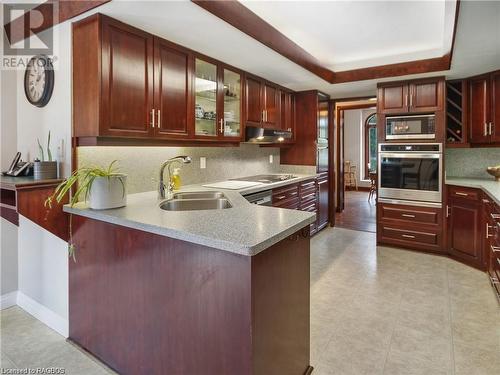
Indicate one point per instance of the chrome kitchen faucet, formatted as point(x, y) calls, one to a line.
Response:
point(169, 186)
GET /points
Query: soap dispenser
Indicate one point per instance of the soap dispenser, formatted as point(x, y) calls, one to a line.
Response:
point(175, 179)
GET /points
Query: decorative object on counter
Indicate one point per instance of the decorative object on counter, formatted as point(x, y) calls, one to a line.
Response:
point(44, 169)
point(494, 171)
point(39, 80)
point(175, 179)
point(103, 188)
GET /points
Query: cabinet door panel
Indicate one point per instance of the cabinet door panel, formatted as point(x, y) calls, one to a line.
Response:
point(393, 99)
point(271, 106)
point(253, 101)
point(464, 231)
point(172, 91)
point(127, 70)
point(323, 204)
point(425, 96)
point(495, 107)
point(232, 103)
point(479, 110)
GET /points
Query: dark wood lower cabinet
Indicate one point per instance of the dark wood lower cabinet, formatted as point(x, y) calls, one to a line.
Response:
point(464, 227)
point(149, 304)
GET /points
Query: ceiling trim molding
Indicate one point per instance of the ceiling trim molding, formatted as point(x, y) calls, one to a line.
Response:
point(243, 19)
point(19, 28)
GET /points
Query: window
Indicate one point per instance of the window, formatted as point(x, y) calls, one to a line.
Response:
point(370, 145)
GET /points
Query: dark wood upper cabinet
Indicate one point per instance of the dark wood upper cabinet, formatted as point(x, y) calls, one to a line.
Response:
point(287, 117)
point(271, 106)
point(173, 101)
point(484, 108)
point(112, 79)
point(495, 106)
point(479, 109)
point(253, 101)
point(426, 96)
point(393, 98)
point(421, 96)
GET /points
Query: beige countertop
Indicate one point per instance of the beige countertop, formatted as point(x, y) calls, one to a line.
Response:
point(244, 229)
point(488, 185)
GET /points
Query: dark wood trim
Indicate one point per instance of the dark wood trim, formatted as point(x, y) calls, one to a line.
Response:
point(18, 29)
point(242, 18)
point(124, 141)
point(251, 24)
point(366, 129)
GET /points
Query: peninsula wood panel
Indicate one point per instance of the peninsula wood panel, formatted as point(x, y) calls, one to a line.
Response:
point(30, 204)
point(149, 304)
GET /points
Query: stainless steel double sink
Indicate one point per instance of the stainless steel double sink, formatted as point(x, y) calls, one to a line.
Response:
point(192, 201)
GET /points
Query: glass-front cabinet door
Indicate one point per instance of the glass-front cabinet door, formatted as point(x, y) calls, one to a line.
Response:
point(205, 112)
point(230, 122)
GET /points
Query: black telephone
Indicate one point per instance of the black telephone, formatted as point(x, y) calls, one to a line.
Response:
point(19, 167)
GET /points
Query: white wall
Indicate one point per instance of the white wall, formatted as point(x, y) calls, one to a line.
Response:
point(43, 258)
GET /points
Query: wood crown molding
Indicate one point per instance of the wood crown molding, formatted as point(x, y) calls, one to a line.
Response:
point(19, 29)
point(251, 24)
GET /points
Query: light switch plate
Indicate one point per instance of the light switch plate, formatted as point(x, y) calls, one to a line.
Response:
point(203, 162)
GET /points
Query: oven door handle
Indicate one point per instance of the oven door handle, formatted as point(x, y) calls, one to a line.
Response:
point(408, 155)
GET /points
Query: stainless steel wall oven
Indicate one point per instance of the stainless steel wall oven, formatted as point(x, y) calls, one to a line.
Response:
point(410, 172)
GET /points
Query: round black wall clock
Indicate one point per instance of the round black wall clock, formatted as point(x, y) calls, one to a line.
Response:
point(39, 80)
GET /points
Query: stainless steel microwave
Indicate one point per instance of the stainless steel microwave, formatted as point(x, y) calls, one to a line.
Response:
point(410, 127)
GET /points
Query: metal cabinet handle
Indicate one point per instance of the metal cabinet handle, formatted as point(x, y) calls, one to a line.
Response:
point(265, 115)
point(494, 280)
point(294, 193)
point(486, 201)
point(153, 118)
point(488, 235)
point(407, 236)
point(159, 119)
point(411, 100)
point(408, 215)
point(406, 100)
point(322, 182)
point(281, 197)
point(462, 194)
point(490, 125)
point(308, 195)
point(448, 211)
point(495, 249)
point(221, 126)
point(495, 216)
point(485, 129)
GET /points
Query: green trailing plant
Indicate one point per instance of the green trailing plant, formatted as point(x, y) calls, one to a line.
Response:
point(41, 152)
point(85, 177)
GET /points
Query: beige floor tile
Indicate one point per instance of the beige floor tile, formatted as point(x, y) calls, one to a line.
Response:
point(470, 360)
point(6, 362)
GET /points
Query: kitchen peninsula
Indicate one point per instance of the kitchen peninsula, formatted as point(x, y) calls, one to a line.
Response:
point(187, 292)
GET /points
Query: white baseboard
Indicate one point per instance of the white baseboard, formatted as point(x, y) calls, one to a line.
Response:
point(8, 300)
point(43, 314)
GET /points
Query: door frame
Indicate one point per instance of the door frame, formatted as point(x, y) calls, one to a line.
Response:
point(338, 110)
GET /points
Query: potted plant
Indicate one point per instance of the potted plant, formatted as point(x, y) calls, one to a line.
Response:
point(44, 169)
point(103, 188)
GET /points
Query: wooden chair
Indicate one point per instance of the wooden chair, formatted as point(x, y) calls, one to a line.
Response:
point(350, 179)
point(373, 185)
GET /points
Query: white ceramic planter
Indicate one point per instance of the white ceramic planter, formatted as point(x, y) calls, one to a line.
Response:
point(108, 193)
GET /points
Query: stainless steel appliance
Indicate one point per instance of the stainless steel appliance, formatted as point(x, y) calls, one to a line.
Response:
point(255, 134)
point(266, 178)
point(410, 127)
point(410, 172)
point(262, 198)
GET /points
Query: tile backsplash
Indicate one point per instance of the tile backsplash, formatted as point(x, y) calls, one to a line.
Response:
point(142, 164)
point(471, 162)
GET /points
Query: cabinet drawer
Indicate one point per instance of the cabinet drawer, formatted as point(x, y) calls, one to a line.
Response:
point(292, 203)
point(410, 236)
point(309, 196)
point(312, 207)
point(308, 184)
point(286, 192)
point(463, 193)
point(410, 214)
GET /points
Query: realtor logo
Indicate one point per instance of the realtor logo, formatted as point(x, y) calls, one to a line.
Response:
point(23, 35)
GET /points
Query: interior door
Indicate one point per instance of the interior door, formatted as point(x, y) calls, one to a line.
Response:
point(127, 89)
point(173, 102)
point(479, 109)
